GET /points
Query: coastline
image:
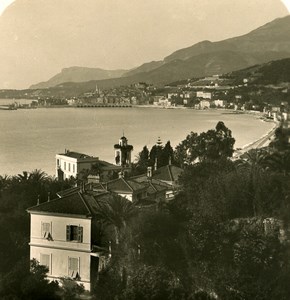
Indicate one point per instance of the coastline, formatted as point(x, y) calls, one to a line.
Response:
point(261, 142)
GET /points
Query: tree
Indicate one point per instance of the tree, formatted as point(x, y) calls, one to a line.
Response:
point(70, 289)
point(280, 141)
point(211, 145)
point(153, 283)
point(31, 283)
point(166, 155)
point(115, 213)
point(142, 161)
point(185, 152)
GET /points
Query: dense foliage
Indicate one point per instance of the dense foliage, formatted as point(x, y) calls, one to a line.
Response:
point(224, 236)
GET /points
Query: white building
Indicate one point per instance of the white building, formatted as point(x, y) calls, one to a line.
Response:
point(62, 238)
point(204, 95)
point(70, 163)
point(161, 101)
point(204, 104)
point(220, 103)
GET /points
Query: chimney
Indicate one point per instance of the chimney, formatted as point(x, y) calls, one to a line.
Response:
point(48, 196)
point(155, 164)
point(110, 249)
point(149, 172)
point(82, 187)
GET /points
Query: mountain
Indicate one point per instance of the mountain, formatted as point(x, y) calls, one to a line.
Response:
point(272, 37)
point(78, 74)
point(266, 43)
point(147, 67)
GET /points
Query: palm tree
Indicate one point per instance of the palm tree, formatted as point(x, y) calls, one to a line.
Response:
point(38, 176)
point(254, 165)
point(116, 212)
point(24, 177)
point(279, 162)
point(5, 180)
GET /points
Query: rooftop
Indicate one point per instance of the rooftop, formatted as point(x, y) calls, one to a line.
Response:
point(81, 204)
point(124, 185)
point(72, 204)
point(77, 155)
point(167, 173)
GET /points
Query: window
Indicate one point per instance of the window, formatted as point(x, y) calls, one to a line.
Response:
point(45, 230)
point(69, 167)
point(74, 233)
point(73, 168)
point(57, 162)
point(45, 260)
point(73, 267)
point(64, 165)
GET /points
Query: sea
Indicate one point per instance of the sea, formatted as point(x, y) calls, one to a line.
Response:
point(30, 138)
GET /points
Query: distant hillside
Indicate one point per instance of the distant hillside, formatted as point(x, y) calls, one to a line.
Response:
point(271, 73)
point(147, 67)
point(267, 43)
point(78, 74)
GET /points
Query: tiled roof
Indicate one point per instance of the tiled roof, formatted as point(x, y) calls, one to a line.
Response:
point(72, 204)
point(67, 192)
point(155, 181)
point(123, 185)
point(167, 173)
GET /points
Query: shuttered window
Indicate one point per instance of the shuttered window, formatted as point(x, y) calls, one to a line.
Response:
point(73, 267)
point(45, 230)
point(45, 260)
point(74, 233)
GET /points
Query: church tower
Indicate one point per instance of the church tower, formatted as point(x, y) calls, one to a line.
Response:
point(123, 152)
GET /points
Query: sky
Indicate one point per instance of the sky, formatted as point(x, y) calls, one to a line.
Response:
point(40, 37)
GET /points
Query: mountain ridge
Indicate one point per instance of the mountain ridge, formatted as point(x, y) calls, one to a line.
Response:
point(268, 42)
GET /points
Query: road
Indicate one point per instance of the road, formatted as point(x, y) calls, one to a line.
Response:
point(261, 142)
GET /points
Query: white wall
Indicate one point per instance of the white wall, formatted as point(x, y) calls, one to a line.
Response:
point(59, 263)
point(58, 248)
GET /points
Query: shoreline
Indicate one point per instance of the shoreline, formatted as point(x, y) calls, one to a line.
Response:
point(261, 142)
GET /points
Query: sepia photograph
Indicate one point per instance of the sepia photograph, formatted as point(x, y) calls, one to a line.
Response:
point(144, 150)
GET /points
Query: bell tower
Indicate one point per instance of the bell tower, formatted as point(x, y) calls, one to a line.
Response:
point(123, 152)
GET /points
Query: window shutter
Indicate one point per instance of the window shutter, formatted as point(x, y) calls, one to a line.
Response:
point(68, 232)
point(80, 234)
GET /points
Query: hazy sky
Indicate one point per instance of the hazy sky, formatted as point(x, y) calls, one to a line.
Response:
point(40, 37)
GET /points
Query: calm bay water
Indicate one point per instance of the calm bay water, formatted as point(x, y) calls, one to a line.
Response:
point(29, 139)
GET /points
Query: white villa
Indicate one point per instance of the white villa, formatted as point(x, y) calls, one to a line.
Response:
point(70, 163)
point(62, 237)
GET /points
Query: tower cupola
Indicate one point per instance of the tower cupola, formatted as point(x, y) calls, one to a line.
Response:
point(123, 152)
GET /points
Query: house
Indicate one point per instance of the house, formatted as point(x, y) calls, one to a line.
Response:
point(161, 101)
point(204, 104)
point(170, 95)
point(220, 103)
point(203, 94)
point(70, 163)
point(127, 188)
point(63, 238)
point(163, 179)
